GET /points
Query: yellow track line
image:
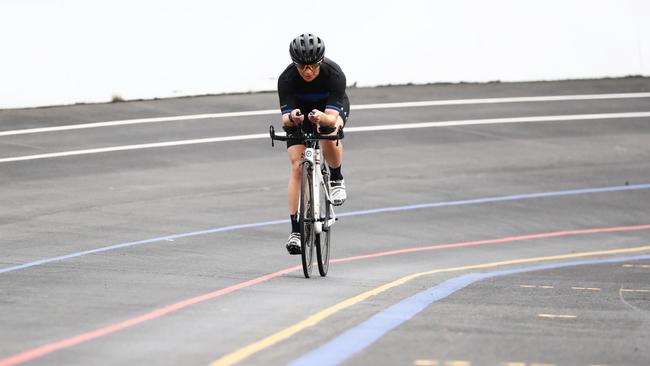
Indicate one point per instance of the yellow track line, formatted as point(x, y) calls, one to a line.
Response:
point(239, 355)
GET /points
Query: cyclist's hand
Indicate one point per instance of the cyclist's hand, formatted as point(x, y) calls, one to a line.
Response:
point(296, 117)
point(316, 116)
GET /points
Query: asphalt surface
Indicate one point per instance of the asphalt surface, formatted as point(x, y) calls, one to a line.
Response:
point(200, 218)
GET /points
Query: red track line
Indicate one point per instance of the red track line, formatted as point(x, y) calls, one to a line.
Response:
point(82, 338)
point(495, 241)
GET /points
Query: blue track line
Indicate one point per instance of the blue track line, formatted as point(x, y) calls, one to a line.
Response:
point(356, 339)
point(344, 214)
point(141, 242)
point(515, 197)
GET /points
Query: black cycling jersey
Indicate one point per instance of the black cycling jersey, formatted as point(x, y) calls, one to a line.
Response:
point(327, 91)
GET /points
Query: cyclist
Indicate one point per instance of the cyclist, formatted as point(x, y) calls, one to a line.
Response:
point(312, 90)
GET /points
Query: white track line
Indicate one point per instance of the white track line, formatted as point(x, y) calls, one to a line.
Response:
point(575, 117)
point(135, 147)
point(138, 121)
point(547, 98)
point(429, 103)
point(468, 122)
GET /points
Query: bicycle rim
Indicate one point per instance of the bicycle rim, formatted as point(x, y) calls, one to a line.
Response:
point(307, 232)
point(323, 240)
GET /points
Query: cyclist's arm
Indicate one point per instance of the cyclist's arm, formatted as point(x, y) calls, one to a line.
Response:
point(293, 118)
point(287, 104)
point(334, 104)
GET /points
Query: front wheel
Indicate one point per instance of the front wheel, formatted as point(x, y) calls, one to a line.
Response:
point(306, 209)
point(323, 239)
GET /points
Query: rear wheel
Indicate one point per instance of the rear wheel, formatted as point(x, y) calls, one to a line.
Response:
point(323, 239)
point(306, 209)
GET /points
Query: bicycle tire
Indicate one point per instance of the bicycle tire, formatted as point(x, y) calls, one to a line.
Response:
point(306, 209)
point(323, 239)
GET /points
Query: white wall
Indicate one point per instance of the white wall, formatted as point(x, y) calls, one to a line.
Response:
point(79, 51)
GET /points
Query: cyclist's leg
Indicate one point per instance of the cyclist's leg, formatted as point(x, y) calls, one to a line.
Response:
point(333, 152)
point(295, 152)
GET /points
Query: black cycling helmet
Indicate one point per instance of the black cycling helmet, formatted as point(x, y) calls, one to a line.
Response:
point(307, 49)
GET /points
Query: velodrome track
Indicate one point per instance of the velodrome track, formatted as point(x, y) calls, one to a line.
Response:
point(492, 238)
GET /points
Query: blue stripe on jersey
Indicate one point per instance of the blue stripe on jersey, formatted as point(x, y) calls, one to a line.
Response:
point(286, 111)
point(332, 106)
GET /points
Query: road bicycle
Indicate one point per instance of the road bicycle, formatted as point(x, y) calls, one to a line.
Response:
point(316, 214)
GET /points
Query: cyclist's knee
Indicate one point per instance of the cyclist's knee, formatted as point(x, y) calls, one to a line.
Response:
point(295, 159)
point(296, 168)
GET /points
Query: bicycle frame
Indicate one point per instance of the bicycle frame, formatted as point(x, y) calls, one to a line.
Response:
point(313, 156)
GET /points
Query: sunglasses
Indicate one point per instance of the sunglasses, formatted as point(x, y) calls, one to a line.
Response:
point(304, 67)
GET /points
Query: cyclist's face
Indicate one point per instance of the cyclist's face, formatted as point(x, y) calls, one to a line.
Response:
point(308, 72)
